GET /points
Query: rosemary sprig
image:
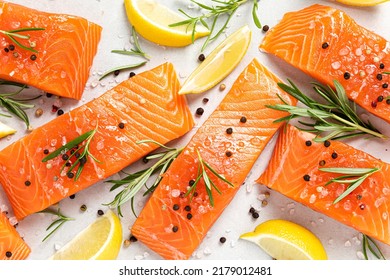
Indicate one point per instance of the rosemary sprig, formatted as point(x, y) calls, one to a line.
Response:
point(369, 243)
point(57, 223)
point(79, 149)
point(137, 51)
point(14, 35)
point(214, 13)
point(210, 185)
point(337, 116)
point(352, 176)
point(135, 181)
point(16, 106)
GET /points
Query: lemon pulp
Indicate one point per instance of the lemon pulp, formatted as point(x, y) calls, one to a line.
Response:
point(101, 240)
point(285, 240)
point(219, 63)
point(151, 20)
point(362, 2)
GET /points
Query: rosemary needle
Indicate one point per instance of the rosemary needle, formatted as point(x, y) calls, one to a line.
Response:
point(61, 219)
point(136, 181)
point(352, 176)
point(337, 117)
point(369, 243)
point(16, 106)
point(14, 35)
point(79, 149)
point(214, 13)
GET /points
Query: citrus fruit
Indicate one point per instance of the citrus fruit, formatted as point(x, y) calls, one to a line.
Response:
point(5, 130)
point(151, 20)
point(101, 240)
point(284, 240)
point(362, 2)
point(219, 63)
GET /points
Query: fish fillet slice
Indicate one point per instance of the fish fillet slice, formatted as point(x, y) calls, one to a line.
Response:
point(66, 49)
point(12, 246)
point(254, 88)
point(149, 107)
point(327, 44)
point(366, 209)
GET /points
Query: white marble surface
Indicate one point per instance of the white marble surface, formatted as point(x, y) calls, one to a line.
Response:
point(341, 242)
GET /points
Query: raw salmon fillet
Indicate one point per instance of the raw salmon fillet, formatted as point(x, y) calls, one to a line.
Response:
point(230, 141)
point(147, 106)
point(12, 246)
point(366, 209)
point(329, 45)
point(66, 49)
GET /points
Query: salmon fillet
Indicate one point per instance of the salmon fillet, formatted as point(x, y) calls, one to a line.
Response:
point(329, 45)
point(172, 223)
point(12, 246)
point(294, 171)
point(65, 50)
point(146, 106)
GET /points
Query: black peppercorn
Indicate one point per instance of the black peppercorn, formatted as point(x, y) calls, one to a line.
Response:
point(385, 85)
point(327, 143)
point(175, 228)
point(380, 98)
point(27, 183)
point(191, 182)
point(133, 238)
point(116, 72)
point(265, 28)
point(222, 240)
point(132, 74)
point(334, 155)
point(243, 120)
point(347, 75)
point(33, 57)
point(381, 66)
point(187, 208)
point(100, 212)
point(8, 254)
point(308, 143)
point(255, 215)
point(229, 130)
point(121, 125)
point(306, 178)
point(201, 57)
point(176, 207)
point(379, 77)
point(229, 153)
point(189, 216)
point(325, 45)
point(199, 111)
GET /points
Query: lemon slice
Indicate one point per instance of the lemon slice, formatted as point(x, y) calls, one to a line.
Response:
point(5, 130)
point(101, 240)
point(151, 20)
point(362, 2)
point(219, 63)
point(284, 240)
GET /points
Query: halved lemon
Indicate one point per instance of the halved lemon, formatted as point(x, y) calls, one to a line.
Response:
point(151, 20)
point(362, 2)
point(5, 130)
point(101, 240)
point(219, 63)
point(285, 240)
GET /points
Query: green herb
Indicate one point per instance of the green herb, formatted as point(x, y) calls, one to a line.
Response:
point(214, 13)
point(57, 223)
point(210, 185)
point(125, 67)
point(337, 116)
point(137, 51)
point(352, 176)
point(369, 243)
point(14, 35)
point(135, 181)
point(13, 105)
point(82, 152)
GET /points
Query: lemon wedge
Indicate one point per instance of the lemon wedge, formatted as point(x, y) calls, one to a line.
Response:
point(101, 240)
point(151, 20)
point(5, 130)
point(219, 63)
point(362, 2)
point(284, 240)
